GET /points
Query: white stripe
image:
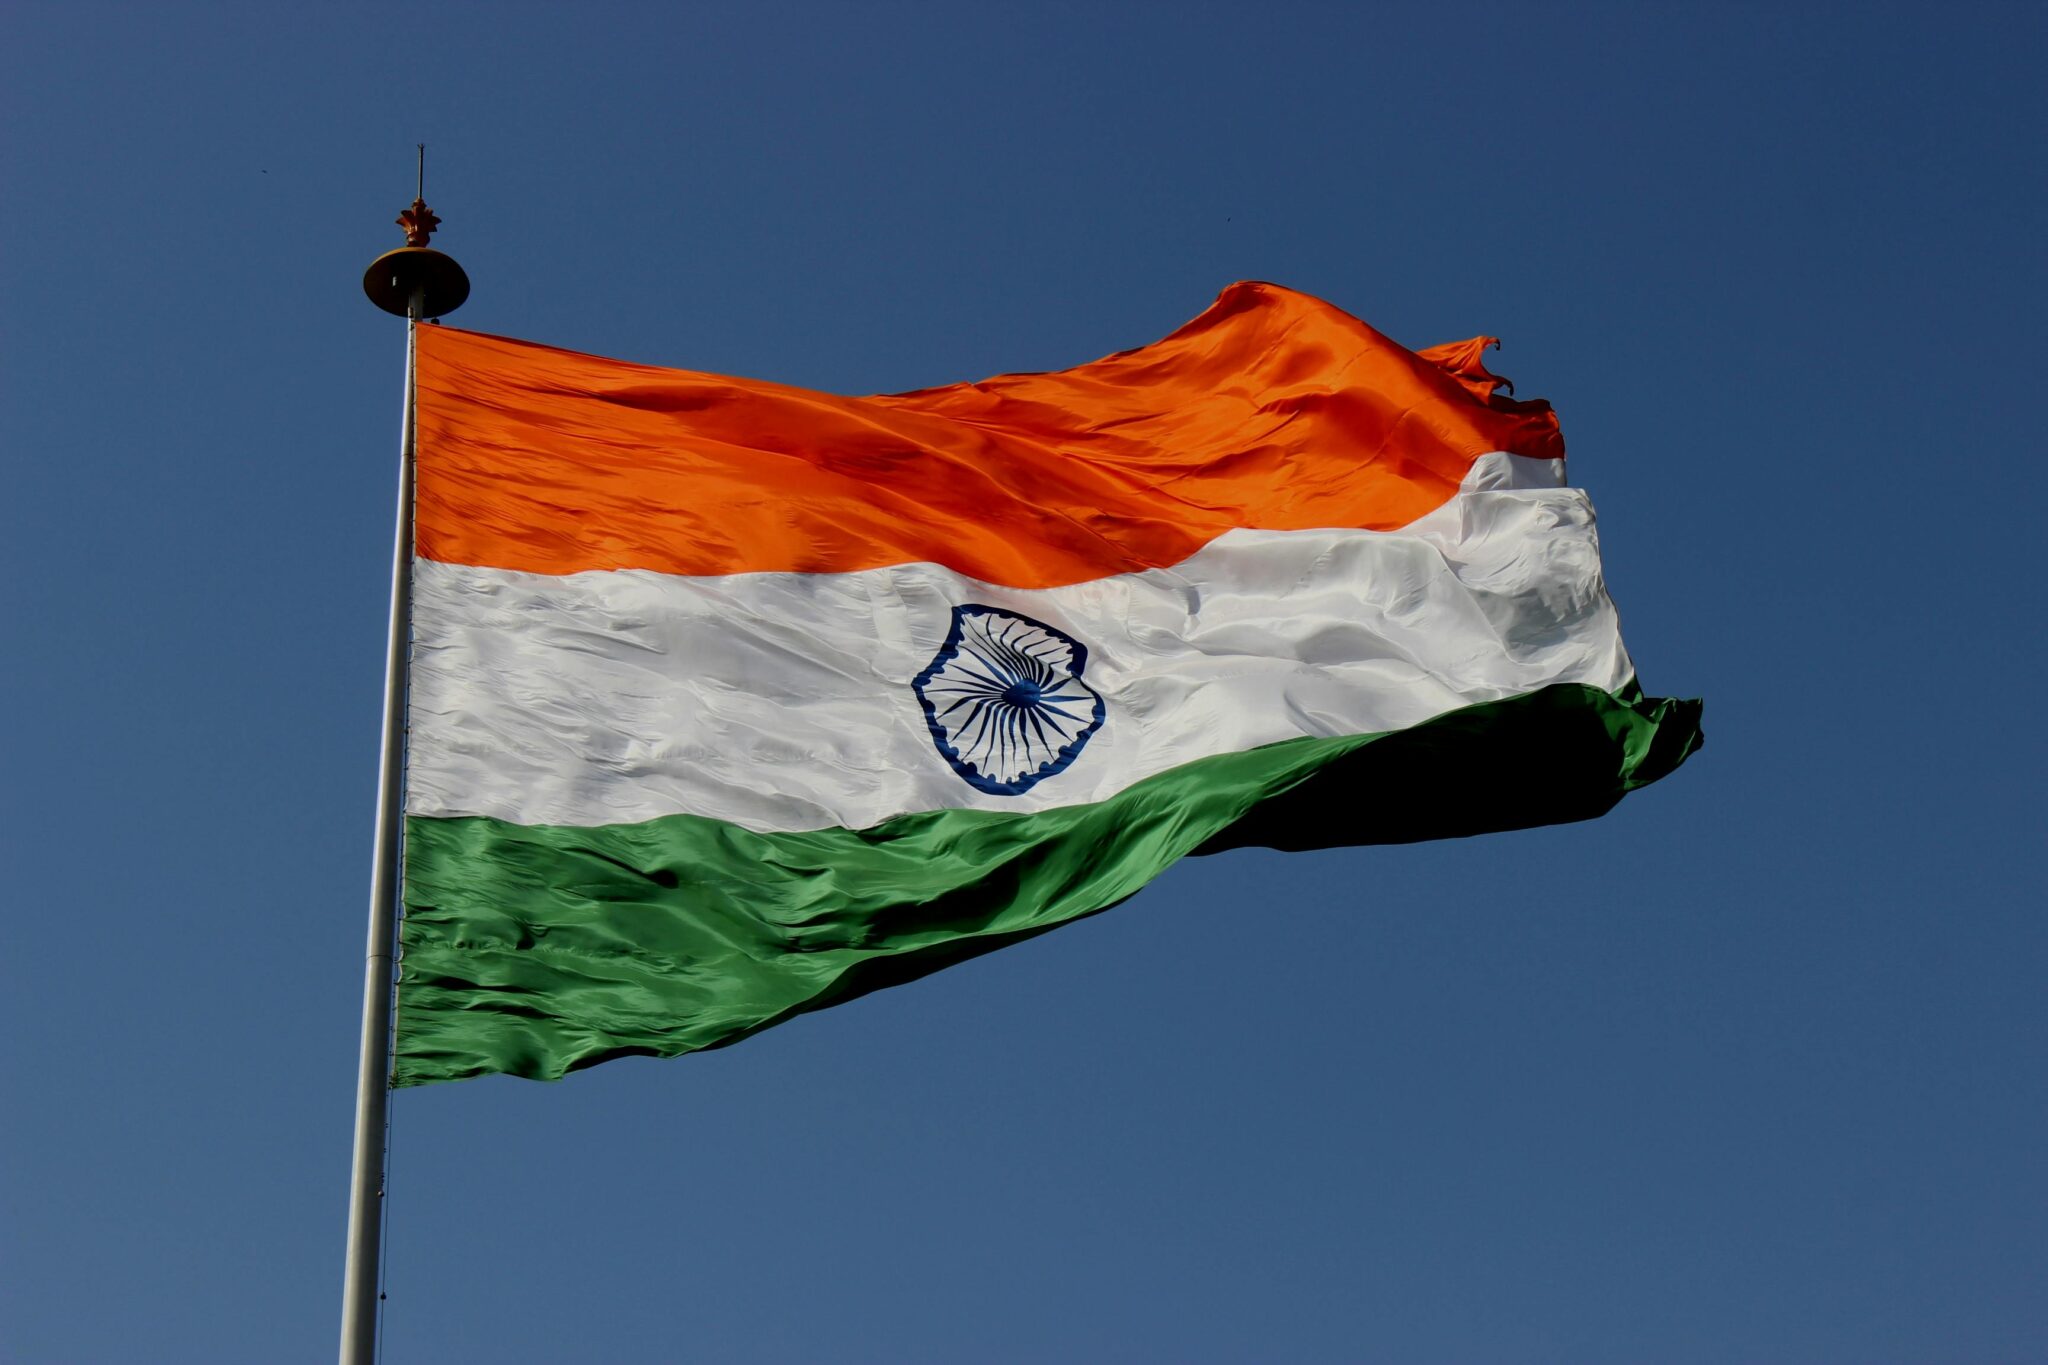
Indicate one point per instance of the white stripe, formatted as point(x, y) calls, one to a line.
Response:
point(784, 701)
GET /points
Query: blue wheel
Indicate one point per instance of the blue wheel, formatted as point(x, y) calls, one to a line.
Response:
point(1005, 701)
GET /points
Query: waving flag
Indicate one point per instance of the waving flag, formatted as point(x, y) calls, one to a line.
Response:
point(731, 700)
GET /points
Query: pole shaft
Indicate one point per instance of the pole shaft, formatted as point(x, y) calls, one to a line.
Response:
point(373, 1076)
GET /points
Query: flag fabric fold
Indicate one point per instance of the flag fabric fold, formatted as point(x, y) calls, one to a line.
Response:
point(731, 700)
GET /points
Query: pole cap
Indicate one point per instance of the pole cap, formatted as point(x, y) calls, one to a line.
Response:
point(392, 277)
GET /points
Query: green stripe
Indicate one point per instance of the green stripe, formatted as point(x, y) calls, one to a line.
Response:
point(537, 950)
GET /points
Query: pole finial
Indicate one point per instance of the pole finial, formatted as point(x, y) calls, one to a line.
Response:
point(416, 275)
point(419, 221)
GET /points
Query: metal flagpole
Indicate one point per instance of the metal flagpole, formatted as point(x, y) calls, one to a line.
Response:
point(416, 282)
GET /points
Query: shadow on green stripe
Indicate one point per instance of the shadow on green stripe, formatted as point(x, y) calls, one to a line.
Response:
point(538, 950)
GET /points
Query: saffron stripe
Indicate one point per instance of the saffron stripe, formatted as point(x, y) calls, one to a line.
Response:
point(1270, 411)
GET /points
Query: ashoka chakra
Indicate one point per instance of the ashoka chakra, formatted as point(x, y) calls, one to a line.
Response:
point(1005, 701)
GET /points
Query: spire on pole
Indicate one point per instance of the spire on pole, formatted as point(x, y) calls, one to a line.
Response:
point(416, 268)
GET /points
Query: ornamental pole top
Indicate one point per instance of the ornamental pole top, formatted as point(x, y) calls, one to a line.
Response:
point(419, 223)
point(415, 281)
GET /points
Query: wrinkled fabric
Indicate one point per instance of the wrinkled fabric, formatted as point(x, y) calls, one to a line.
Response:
point(730, 700)
point(1271, 411)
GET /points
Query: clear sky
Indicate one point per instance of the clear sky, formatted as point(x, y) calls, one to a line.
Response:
point(1752, 1069)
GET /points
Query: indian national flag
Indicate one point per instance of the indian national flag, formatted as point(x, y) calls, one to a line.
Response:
point(731, 700)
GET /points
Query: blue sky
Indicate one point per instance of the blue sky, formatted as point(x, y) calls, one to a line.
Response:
point(1750, 1069)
